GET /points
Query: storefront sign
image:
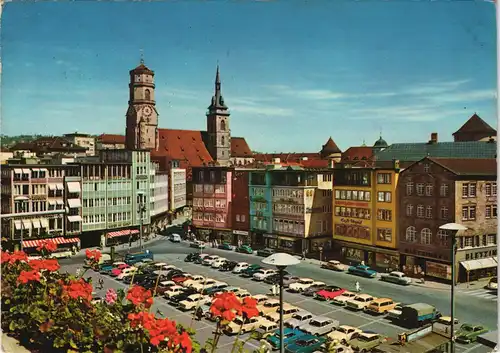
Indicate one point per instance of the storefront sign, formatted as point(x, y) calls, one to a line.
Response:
point(435, 269)
point(240, 232)
point(351, 221)
point(270, 236)
point(351, 204)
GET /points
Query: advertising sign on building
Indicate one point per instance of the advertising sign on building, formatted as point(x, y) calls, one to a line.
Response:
point(435, 269)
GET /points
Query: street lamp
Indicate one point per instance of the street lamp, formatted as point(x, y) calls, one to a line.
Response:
point(452, 230)
point(281, 261)
point(141, 209)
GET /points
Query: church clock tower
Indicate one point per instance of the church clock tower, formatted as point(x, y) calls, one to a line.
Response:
point(218, 131)
point(142, 116)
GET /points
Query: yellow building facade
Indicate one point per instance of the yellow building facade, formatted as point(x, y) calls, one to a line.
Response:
point(364, 216)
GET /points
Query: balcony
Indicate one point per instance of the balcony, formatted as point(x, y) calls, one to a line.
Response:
point(290, 216)
point(258, 199)
point(292, 200)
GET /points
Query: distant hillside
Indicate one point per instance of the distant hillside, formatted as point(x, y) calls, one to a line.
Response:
point(8, 141)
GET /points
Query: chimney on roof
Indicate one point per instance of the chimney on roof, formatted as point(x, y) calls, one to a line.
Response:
point(434, 138)
point(395, 164)
point(331, 163)
point(276, 161)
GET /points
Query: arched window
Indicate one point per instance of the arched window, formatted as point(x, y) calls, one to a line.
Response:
point(443, 236)
point(147, 95)
point(425, 236)
point(222, 141)
point(411, 234)
point(223, 125)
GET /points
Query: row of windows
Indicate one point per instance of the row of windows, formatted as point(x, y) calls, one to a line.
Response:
point(288, 208)
point(240, 218)
point(209, 217)
point(383, 178)
point(286, 226)
point(259, 222)
point(112, 217)
point(425, 235)
point(354, 195)
point(425, 212)
point(363, 213)
point(209, 203)
point(207, 188)
point(260, 206)
point(114, 201)
point(425, 189)
point(358, 232)
point(384, 196)
point(291, 193)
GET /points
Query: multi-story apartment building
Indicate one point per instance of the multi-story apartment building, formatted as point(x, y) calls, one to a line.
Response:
point(290, 208)
point(115, 195)
point(83, 140)
point(240, 207)
point(159, 197)
point(33, 204)
point(212, 197)
point(177, 194)
point(436, 191)
point(364, 215)
point(109, 141)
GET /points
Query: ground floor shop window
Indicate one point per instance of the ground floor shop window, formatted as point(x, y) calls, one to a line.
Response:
point(352, 254)
point(272, 243)
point(286, 244)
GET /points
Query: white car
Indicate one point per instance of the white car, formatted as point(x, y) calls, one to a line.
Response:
point(396, 312)
point(173, 291)
point(298, 319)
point(209, 260)
point(343, 333)
point(218, 262)
point(341, 299)
point(240, 266)
point(199, 286)
point(126, 272)
point(262, 274)
point(195, 279)
point(319, 325)
point(359, 302)
point(193, 301)
point(243, 294)
point(303, 284)
point(260, 298)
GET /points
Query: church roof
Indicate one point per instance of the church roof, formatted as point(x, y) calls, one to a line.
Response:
point(357, 153)
point(330, 147)
point(142, 69)
point(239, 148)
point(380, 143)
point(476, 125)
point(286, 157)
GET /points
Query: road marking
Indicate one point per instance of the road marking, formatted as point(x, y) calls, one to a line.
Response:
point(472, 348)
point(371, 322)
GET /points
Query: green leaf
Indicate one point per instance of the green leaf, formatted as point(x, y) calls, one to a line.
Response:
point(12, 325)
point(73, 344)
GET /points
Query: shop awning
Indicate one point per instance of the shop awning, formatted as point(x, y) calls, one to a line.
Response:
point(52, 202)
point(17, 224)
point(121, 233)
point(52, 186)
point(35, 169)
point(60, 186)
point(44, 222)
point(18, 171)
point(74, 203)
point(26, 171)
point(367, 248)
point(60, 202)
point(43, 170)
point(74, 186)
point(26, 223)
point(59, 240)
point(471, 265)
point(74, 218)
point(36, 223)
point(281, 237)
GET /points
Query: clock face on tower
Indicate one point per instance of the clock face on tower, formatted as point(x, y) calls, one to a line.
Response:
point(148, 111)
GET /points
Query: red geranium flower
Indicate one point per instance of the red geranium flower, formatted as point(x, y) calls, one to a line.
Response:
point(249, 307)
point(27, 276)
point(94, 255)
point(226, 306)
point(78, 289)
point(5, 257)
point(18, 256)
point(44, 264)
point(139, 295)
point(140, 319)
point(47, 245)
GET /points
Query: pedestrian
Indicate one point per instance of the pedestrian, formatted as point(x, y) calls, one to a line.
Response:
point(101, 284)
point(303, 254)
point(362, 263)
point(273, 290)
point(199, 314)
point(78, 272)
point(358, 287)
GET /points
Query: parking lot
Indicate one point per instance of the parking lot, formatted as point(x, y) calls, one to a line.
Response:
point(205, 328)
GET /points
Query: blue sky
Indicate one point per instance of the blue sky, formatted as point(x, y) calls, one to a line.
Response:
point(294, 72)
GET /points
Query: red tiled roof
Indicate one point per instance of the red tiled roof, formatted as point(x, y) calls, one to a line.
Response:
point(111, 139)
point(239, 147)
point(185, 146)
point(330, 147)
point(315, 163)
point(468, 166)
point(357, 153)
point(285, 157)
point(475, 124)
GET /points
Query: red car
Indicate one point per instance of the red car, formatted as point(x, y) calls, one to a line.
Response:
point(180, 279)
point(329, 293)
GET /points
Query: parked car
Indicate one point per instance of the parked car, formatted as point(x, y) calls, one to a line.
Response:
point(228, 266)
point(312, 290)
point(396, 312)
point(173, 291)
point(266, 328)
point(365, 342)
point(303, 284)
point(218, 262)
point(305, 344)
point(190, 257)
point(195, 279)
point(245, 325)
point(265, 252)
point(268, 306)
point(250, 270)
point(174, 238)
point(260, 298)
point(261, 274)
point(329, 292)
point(240, 266)
point(380, 306)
point(199, 259)
point(176, 299)
point(298, 319)
point(443, 326)
point(209, 260)
point(359, 302)
point(164, 286)
point(107, 268)
point(396, 277)
point(469, 333)
point(193, 301)
point(362, 270)
point(197, 244)
point(287, 279)
point(242, 294)
point(334, 265)
point(225, 246)
point(418, 314)
point(200, 286)
point(214, 288)
point(126, 272)
point(289, 335)
point(180, 278)
point(204, 311)
point(320, 325)
point(343, 333)
point(246, 249)
point(492, 284)
point(341, 299)
point(288, 312)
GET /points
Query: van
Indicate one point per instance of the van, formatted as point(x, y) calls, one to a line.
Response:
point(134, 258)
point(381, 306)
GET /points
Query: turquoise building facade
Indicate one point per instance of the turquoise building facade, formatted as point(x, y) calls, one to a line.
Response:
point(260, 196)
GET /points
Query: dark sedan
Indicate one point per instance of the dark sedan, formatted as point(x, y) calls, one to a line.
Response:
point(191, 257)
point(309, 292)
point(227, 266)
point(265, 252)
point(287, 279)
point(180, 297)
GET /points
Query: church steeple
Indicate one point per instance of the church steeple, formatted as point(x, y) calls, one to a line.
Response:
point(217, 99)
